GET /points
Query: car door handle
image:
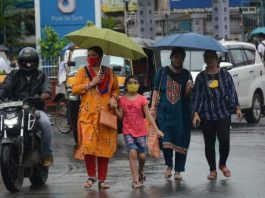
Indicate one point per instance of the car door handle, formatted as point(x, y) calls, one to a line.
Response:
point(251, 71)
point(235, 75)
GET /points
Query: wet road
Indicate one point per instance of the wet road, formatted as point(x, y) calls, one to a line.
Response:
point(246, 161)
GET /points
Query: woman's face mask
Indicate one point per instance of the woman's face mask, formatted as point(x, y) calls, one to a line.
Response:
point(132, 87)
point(93, 61)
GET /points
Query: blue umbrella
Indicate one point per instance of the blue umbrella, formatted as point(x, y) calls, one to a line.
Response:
point(256, 32)
point(190, 41)
point(68, 46)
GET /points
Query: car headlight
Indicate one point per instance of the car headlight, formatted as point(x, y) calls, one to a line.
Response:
point(11, 122)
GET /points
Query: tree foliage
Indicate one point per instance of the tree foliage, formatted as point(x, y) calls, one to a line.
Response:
point(10, 31)
point(51, 45)
point(109, 22)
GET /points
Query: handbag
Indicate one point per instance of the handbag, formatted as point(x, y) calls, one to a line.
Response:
point(108, 119)
point(153, 142)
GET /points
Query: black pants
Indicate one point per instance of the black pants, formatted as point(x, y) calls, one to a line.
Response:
point(221, 129)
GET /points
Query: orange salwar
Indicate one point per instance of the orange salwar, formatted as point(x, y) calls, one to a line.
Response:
point(93, 138)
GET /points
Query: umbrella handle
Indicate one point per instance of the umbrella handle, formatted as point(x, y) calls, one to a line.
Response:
point(100, 67)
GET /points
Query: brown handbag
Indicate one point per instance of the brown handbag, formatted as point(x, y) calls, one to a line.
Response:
point(108, 119)
point(153, 142)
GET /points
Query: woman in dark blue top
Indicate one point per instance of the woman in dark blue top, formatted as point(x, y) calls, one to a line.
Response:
point(173, 84)
point(214, 100)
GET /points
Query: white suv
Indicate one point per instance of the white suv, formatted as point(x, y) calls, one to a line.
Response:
point(246, 67)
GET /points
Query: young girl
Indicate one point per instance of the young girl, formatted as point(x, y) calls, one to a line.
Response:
point(133, 108)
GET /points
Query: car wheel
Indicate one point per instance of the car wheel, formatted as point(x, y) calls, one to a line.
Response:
point(253, 115)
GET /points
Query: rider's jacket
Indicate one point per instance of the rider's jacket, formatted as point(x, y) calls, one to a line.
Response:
point(19, 85)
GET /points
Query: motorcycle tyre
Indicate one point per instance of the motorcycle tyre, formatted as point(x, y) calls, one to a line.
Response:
point(12, 177)
point(40, 175)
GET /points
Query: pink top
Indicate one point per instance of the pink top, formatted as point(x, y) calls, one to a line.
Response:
point(133, 116)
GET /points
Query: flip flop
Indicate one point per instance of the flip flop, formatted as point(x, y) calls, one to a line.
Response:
point(212, 175)
point(226, 172)
point(89, 183)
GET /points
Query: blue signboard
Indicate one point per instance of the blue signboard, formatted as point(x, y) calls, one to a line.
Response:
point(185, 4)
point(66, 15)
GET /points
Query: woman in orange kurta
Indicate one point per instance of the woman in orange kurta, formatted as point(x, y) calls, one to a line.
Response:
point(97, 92)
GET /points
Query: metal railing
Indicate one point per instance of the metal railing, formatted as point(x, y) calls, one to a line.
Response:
point(50, 68)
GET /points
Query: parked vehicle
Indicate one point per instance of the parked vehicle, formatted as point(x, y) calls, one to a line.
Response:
point(21, 144)
point(246, 67)
point(4, 66)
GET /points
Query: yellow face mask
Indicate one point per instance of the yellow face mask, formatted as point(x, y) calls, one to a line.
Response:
point(132, 87)
point(213, 84)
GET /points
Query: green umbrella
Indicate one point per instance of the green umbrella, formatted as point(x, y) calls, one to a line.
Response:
point(113, 43)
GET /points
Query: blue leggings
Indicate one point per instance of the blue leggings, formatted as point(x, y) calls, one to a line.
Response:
point(180, 160)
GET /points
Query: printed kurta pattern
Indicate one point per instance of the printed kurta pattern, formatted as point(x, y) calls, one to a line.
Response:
point(93, 138)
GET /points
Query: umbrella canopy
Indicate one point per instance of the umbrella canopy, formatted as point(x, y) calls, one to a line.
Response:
point(256, 32)
point(112, 43)
point(190, 41)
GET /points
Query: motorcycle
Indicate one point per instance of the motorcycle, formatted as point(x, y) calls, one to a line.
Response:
point(21, 144)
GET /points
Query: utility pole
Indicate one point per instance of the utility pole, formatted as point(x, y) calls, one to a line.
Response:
point(126, 9)
point(146, 22)
point(220, 19)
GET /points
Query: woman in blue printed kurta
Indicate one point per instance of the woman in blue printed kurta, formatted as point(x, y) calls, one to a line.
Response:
point(214, 100)
point(174, 111)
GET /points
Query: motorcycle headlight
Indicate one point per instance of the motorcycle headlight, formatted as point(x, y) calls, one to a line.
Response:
point(11, 122)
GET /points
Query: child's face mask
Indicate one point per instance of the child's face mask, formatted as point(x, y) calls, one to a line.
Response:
point(133, 87)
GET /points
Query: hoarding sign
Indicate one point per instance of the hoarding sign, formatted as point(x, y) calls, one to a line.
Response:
point(66, 15)
point(117, 5)
point(186, 4)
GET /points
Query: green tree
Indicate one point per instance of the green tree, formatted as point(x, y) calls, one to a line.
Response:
point(109, 22)
point(51, 45)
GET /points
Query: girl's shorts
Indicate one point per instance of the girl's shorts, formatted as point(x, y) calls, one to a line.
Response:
point(136, 143)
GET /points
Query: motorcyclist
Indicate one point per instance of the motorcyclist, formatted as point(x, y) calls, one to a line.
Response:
point(28, 81)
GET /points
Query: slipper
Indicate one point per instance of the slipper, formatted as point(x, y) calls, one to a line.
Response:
point(89, 183)
point(212, 175)
point(178, 176)
point(226, 172)
point(136, 184)
point(168, 172)
point(103, 185)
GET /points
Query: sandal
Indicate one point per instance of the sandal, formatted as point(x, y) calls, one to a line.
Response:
point(212, 175)
point(89, 183)
point(168, 172)
point(141, 177)
point(136, 184)
point(226, 172)
point(177, 176)
point(103, 185)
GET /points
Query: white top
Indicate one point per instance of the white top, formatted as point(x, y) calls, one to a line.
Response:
point(261, 48)
point(4, 65)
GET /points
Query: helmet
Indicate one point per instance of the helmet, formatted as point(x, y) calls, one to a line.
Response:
point(28, 59)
